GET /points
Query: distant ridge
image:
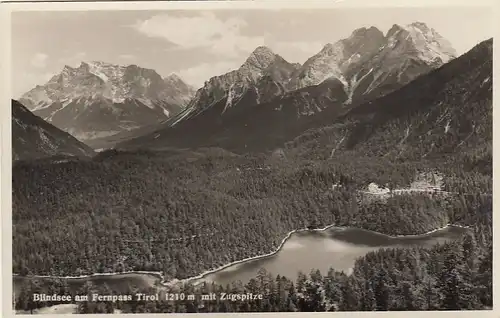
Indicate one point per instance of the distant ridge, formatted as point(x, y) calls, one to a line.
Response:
point(33, 138)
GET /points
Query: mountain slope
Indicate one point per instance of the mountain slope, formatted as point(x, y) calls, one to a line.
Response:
point(33, 138)
point(249, 127)
point(446, 112)
point(100, 99)
point(231, 87)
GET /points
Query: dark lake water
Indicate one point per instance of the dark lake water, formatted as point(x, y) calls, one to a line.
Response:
point(334, 247)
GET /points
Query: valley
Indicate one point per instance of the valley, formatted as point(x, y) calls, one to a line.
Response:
point(375, 140)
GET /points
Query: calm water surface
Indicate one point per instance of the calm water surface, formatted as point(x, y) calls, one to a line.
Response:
point(335, 247)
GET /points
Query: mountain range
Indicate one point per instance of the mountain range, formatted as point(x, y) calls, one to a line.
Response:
point(271, 98)
point(261, 105)
point(100, 99)
point(363, 63)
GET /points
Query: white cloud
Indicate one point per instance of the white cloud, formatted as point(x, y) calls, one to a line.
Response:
point(39, 60)
point(197, 75)
point(222, 38)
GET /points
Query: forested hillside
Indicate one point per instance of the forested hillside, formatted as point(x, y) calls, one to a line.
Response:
point(125, 211)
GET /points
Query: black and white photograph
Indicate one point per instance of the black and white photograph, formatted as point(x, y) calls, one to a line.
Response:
point(237, 158)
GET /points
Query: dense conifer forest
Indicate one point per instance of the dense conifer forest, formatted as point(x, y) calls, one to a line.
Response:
point(124, 212)
point(451, 276)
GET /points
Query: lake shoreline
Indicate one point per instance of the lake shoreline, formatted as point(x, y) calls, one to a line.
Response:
point(175, 281)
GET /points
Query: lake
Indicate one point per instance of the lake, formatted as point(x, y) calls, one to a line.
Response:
point(335, 247)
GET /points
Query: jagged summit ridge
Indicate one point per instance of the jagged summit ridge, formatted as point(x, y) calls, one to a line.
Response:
point(370, 63)
point(106, 80)
point(117, 83)
point(362, 46)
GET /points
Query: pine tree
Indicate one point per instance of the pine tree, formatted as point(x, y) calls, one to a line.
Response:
point(350, 297)
point(381, 290)
point(452, 283)
point(409, 297)
point(369, 303)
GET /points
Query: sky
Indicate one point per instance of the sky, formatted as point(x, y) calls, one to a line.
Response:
point(197, 45)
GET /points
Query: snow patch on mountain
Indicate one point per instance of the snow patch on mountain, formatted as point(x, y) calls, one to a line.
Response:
point(353, 84)
point(187, 112)
point(447, 127)
point(229, 99)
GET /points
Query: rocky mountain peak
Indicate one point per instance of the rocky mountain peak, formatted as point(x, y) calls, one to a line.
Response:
point(173, 78)
point(262, 52)
point(393, 30)
point(429, 45)
point(420, 25)
point(363, 42)
point(365, 32)
point(260, 59)
point(335, 58)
